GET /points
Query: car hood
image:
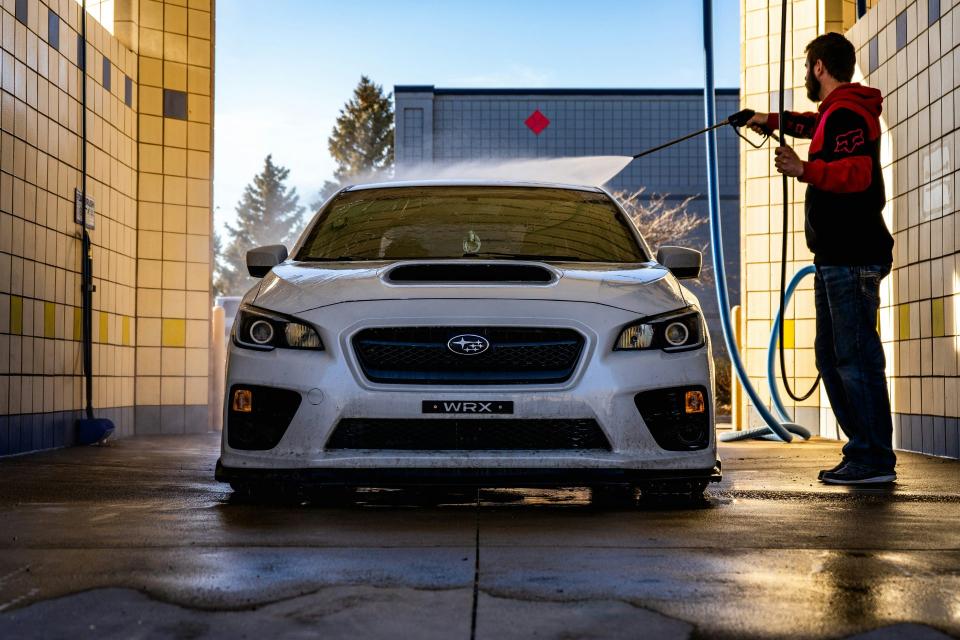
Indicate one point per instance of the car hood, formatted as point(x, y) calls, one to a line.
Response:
point(296, 287)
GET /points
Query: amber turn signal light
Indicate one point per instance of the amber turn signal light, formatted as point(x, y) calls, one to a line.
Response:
point(693, 402)
point(243, 401)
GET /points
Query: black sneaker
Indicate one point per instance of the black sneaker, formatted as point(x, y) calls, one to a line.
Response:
point(855, 473)
point(833, 470)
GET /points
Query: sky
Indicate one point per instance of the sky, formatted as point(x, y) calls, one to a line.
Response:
point(284, 68)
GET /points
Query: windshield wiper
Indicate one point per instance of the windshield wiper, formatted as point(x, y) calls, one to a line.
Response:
point(523, 256)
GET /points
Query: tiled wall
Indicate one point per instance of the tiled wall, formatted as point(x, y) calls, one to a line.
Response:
point(908, 50)
point(40, 362)
point(173, 254)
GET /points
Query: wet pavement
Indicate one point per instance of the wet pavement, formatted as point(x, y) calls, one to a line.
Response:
point(138, 540)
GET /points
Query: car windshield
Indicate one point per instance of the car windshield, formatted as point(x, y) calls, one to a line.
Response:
point(533, 223)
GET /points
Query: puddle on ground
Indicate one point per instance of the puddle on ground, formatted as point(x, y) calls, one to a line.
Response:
point(499, 498)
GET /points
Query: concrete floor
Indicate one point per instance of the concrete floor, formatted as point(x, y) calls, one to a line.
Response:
point(137, 540)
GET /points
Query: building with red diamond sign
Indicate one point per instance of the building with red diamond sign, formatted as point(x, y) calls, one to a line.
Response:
point(447, 126)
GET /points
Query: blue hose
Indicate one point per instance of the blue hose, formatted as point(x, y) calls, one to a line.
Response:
point(787, 420)
point(772, 347)
point(782, 431)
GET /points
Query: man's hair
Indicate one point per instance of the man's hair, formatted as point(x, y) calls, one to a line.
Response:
point(836, 53)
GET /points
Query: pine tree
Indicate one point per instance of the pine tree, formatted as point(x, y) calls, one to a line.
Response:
point(268, 213)
point(218, 284)
point(362, 140)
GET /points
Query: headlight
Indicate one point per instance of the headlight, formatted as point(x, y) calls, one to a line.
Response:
point(264, 330)
point(676, 331)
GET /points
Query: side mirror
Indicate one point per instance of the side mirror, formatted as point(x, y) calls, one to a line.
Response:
point(682, 262)
point(262, 259)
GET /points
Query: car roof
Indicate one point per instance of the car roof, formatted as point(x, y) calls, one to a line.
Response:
point(473, 183)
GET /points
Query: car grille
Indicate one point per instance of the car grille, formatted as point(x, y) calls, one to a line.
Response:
point(419, 355)
point(468, 435)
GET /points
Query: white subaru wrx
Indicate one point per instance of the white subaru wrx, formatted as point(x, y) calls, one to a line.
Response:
point(479, 333)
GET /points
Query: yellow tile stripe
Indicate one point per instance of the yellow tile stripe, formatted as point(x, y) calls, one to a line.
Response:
point(904, 321)
point(788, 334)
point(77, 324)
point(174, 332)
point(125, 330)
point(16, 314)
point(938, 318)
point(49, 320)
point(104, 327)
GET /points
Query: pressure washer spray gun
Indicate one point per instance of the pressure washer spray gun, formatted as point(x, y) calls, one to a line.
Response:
point(737, 121)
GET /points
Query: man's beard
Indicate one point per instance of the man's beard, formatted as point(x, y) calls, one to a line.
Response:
point(813, 87)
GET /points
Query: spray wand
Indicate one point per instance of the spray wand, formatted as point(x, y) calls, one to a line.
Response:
point(737, 120)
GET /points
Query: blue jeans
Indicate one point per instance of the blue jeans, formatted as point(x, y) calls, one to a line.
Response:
point(851, 361)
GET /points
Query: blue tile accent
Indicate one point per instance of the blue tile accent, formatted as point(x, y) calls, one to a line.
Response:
point(916, 436)
point(939, 436)
point(897, 431)
point(927, 430)
point(197, 419)
point(26, 433)
point(36, 431)
point(933, 11)
point(13, 433)
point(106, 73)
point(121, 422)
point(174, 104)
point(47, 433)
point(129, 421)
point(4, 435)
point(147, 420)
point(70, 431)
point(906, 431)
point(172, 419)
point(53, 29)
point(901, 30)
point(115, 415)
point(952, 445)
point(60, 419)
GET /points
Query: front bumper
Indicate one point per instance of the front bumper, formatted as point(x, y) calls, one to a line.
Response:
point(472, 477)
point(602, 388)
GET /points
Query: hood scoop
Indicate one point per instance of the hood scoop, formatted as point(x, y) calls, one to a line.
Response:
point(470, 273)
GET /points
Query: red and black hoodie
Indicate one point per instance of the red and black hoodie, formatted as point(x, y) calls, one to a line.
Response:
point(845, 193)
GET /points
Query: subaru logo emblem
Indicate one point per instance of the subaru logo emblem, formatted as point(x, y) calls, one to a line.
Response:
point(468, 345)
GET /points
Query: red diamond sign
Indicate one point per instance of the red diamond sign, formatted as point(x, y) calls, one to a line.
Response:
point(537, 122)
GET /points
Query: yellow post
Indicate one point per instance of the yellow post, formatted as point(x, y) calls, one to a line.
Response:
point(737, 408)
point(218, 355)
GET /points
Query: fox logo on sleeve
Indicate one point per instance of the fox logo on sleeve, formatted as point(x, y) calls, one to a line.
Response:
point(848, 142)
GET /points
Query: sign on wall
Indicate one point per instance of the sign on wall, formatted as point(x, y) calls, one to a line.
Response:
point(78, 212)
